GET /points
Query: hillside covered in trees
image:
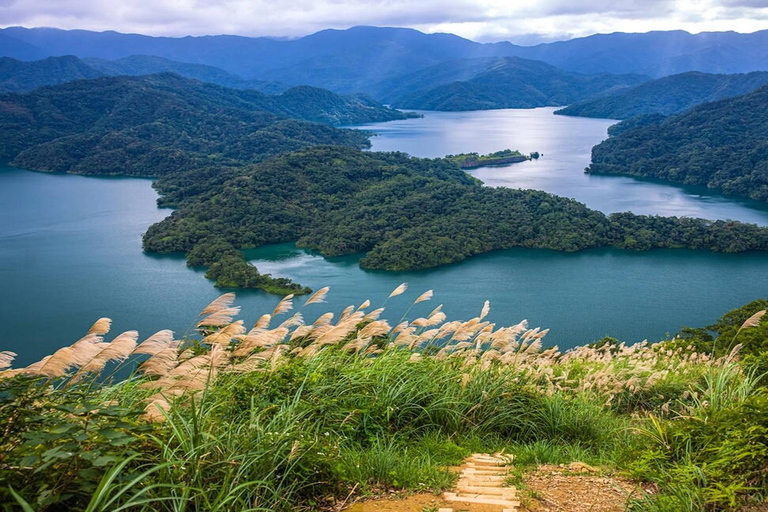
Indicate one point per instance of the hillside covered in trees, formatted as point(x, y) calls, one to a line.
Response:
point(406, 213)
point(509, 82)
point(149, 126)
point(721, 145)
point(668, 95)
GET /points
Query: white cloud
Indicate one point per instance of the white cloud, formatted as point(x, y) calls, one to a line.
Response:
point(527, 21)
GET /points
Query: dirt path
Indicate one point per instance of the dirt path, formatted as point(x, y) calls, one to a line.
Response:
point(576, 487)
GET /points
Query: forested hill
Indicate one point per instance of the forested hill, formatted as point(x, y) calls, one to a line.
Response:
point(160, 123)
point(507, 82)
point(24, 76)
point(20, 76)
point(308, 103)
point(137, 65)
point(668, 95)
point(722, 145)
point(405, 213)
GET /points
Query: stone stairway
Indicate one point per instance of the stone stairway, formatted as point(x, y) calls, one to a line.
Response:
point(482, 482)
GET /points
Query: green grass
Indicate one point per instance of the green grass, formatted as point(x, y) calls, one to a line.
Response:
point(303, 432)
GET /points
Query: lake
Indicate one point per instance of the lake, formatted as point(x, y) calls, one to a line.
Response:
point(70, 251)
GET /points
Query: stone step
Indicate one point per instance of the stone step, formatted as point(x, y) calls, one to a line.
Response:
point(480, 489)
point(450, 496)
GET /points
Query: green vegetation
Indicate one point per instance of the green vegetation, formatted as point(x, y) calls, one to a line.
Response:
point(19, 76)
point(720, 145)
point(503, 157)
point(508, 82)
point(408, 213)
point(293, 415)
point(666, 96)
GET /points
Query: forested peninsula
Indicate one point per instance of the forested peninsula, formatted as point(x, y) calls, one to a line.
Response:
point(721, 145)
point(241, 176)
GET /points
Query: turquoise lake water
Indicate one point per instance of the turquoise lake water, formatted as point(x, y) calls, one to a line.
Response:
point(70, 251)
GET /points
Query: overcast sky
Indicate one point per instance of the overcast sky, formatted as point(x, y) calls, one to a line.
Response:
point(519, 21)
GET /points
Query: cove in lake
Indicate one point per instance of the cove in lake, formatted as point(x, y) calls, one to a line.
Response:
point(70, 252)
point(566, 144)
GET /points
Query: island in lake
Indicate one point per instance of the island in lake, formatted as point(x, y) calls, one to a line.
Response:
point(503, 157)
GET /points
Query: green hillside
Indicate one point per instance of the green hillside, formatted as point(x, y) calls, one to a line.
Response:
point(721, 145)
point(20, 76)
point(505, 83)
point(668, 95)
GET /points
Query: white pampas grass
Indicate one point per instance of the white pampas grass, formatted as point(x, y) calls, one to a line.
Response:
point(318, 296)
point(399, 290)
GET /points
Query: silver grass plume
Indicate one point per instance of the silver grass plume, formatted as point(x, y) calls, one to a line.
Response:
point(222, 302)
point(318, 296)
point(398, 291)
point(284, 305)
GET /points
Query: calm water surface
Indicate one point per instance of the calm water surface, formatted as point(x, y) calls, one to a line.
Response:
point(566, 143)
point(70, 251)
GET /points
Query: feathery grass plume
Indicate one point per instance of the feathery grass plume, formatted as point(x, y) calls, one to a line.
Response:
point(435, 319)
point(324, 319)
point(296, 319)
point(218, 318)
point(6, 358)
point(377, 328)
point(301, 331)
point(262, 323)
point(364, 305)
point(398, 291)
point(399, 327)
point(161, 363)
point(117, 350)
point(347, 311)
point(486, 309)
point(343, 329)
point(161, 340)
point(261, 339)
point(318, 296)
point(101, 326)
point(64, 359)
point(222, 302)
point(224, 335)
point(155, 411)
point(753, 321)
point(373, 315)
point(424, 296)
point(427, 336)
point(286, 304)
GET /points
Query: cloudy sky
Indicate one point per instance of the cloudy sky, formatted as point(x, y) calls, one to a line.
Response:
point(520, 21)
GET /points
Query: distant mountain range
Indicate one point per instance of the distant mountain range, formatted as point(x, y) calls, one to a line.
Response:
point(361, 58)
point(501, 82)
point(668, 95)
point(722, 145)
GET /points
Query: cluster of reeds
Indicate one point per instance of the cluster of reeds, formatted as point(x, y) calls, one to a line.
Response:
point(225, 345)
point(176, 368)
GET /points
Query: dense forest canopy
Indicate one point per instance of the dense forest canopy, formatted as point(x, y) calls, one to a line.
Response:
point(721, 145)
point(152, 125)
point(667, 96)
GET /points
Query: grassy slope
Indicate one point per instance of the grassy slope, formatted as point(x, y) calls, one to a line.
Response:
point(292, 415)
